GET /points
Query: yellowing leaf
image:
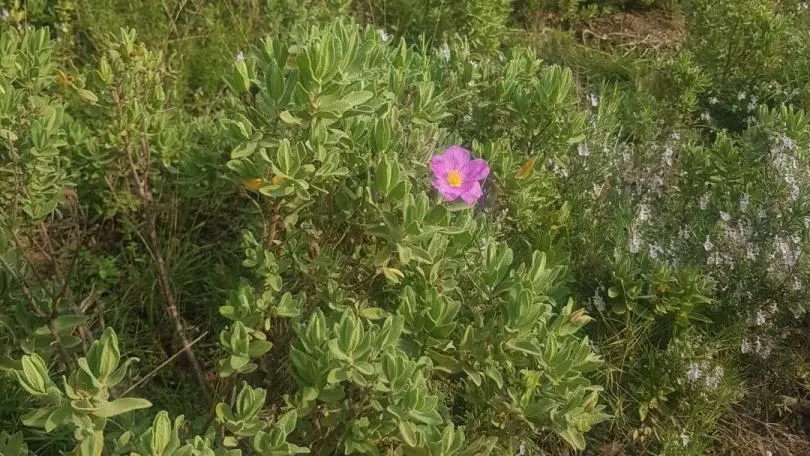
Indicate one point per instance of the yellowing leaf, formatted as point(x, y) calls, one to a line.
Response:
point(527, 169)
point(253, 184)
point(277, 180)
point(393, 274)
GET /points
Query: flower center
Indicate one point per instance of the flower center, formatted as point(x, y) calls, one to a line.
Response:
point(454, 178)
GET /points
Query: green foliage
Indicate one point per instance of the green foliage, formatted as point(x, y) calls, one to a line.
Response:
point(753, 51)
point(483, 22)
point(12, 444)
point(322, 293)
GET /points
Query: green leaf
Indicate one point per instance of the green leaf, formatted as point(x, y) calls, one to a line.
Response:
point(421, 255)
point(445, 363)
point(37, 417)
point(474, 375)
point(237, 362)
point(495, 375)
point(288, 118)
point(59, 416)
point(287, 422)
point(373, 313)
point(121, 406)
point(576, 139)
point(68, 322)
point(431, 418)
point(34, 375)
point(337, 375)
point(287, 306)
point(110, 354)
point(574, 438)
point(614, 291)
point(525, 346)
point(161, 432)
point(259, 348)
point(8, 135)
point(87, 95)
point(408, 433)
point(244, 150)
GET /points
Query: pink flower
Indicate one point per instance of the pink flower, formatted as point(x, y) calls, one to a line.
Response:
point(456, 175)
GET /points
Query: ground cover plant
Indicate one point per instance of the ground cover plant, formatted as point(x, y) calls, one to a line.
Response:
point(403, 228)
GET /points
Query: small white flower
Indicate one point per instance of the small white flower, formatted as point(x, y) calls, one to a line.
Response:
point(705, 116)
point(713, 379)
point(522, 449)
point(694, 372)
point(708, 246)
point(725, 216)
point(713, 101)
point(751, 251)
point(582, 149)
point(444, 52)
point(597, 190)
point(760, 318)
point(384, 36)
point(704, 200)
point(467, 118)
point(634, 242)
point(741, 96)
point(643, 213)
point(240, 56)
point(685, 439)
point(594, 99)
point(797, 284)
point(744, 202)
point(752, 106)
point(655, 251)
point(598, 302)
point(745, 346)
point(668, 154)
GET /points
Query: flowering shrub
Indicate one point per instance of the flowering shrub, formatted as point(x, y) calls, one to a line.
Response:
point(395, 304)
point(396, 239)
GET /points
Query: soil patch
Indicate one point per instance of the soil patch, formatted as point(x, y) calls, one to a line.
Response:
point(636, 30)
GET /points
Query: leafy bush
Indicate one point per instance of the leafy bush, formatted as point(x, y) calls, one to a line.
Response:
point(330, 136)
point(367, 245)
point(754, 52)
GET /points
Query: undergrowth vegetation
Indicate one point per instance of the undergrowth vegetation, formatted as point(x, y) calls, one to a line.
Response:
point(402, 228)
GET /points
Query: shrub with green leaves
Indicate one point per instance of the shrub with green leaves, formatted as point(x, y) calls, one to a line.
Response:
point(755, 53)
point(436, 244)
point(396, 307)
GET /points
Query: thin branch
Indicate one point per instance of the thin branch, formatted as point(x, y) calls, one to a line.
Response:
point(163, 364)
point(270, 241)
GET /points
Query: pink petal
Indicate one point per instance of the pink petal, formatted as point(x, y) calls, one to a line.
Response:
point(456, 157)
point(447, 191)
point(475, 170)
point(439, 166)
point(472, 194)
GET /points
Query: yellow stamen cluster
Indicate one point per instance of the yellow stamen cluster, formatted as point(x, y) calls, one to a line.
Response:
point(454, 178)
